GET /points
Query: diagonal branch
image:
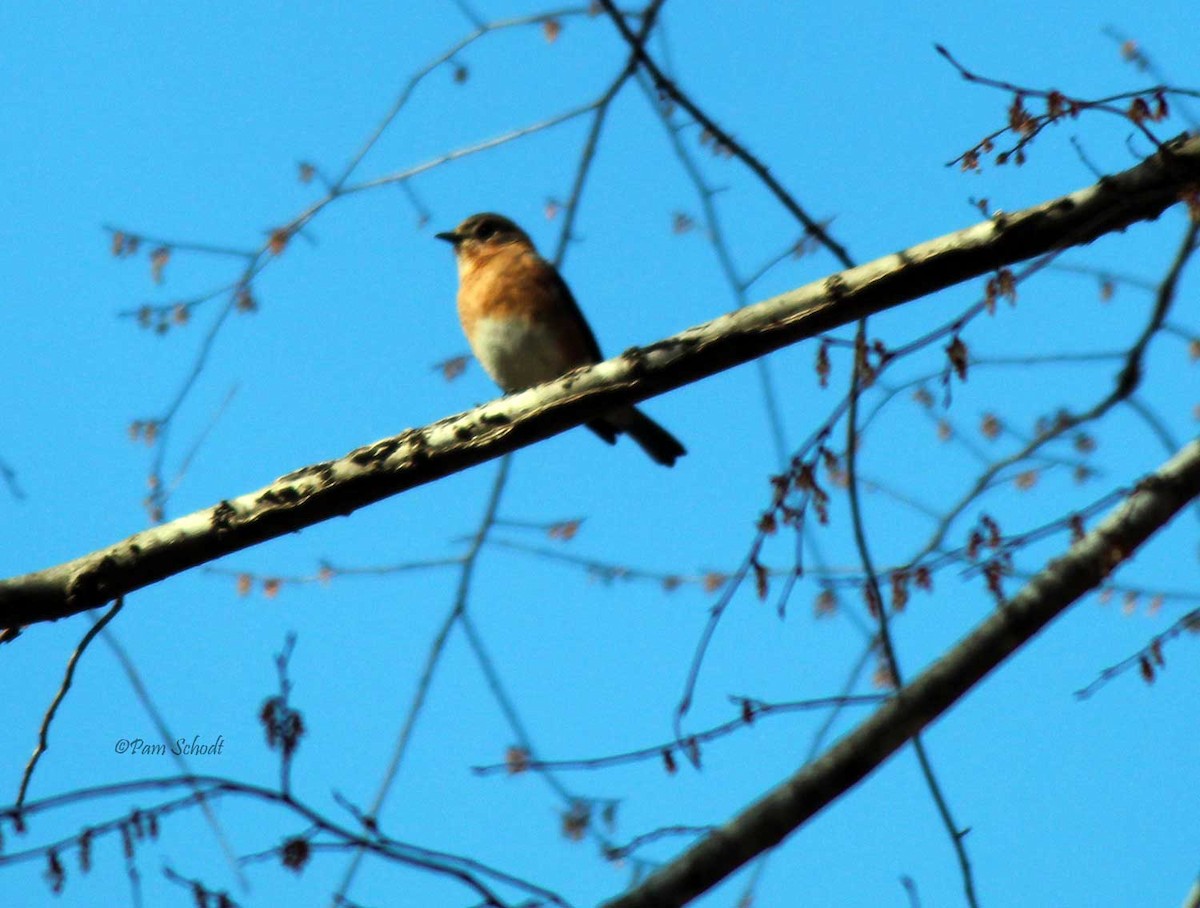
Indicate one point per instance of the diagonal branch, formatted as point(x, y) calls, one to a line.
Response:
point(43, 743)
point(1151, 505)
point(670, 90)
point(418, 456)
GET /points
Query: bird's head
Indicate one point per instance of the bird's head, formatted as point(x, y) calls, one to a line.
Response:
point(485, 232)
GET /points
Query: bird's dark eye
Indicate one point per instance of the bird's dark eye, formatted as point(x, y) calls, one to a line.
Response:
point(484, 230)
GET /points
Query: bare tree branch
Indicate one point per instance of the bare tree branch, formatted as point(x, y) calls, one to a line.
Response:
point(43, 743)
point(419, 456)
point(1151, 504)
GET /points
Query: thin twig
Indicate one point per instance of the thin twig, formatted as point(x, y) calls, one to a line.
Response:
point(432, 662)
point(805, 793)
point(671, 90)
point(43, 742)
point(751, 710)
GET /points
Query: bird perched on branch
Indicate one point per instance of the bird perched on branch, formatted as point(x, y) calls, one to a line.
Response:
point(525, 327)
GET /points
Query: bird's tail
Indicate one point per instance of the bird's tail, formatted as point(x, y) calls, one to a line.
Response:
point(661, 445)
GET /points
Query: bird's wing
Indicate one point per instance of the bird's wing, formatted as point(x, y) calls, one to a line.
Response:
point(558, 286)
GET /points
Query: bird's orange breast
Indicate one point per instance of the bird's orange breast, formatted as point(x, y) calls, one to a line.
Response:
point(505, 282)
point(513, 284)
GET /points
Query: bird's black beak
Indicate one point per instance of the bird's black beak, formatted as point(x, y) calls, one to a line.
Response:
point(450, 237)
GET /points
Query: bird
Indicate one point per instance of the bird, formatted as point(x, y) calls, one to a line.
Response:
point(525, 327)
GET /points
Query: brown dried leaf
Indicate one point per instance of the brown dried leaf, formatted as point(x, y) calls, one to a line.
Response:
point(158, 261)
point(1006, 285)
point(993, 573)
point(990, 426)
point(682, 223)
point(899, 590)
point(826, 603)
point(517, 760)
point(1161, 110)
point(1019, 119)
point(762, 578)
point(56, 874)
point(1156, 654)
point(453, 367)
point(871, 597)
point(883, 678)
point(278, 240)
point(669, 761)
point(295, 853)
point(1077, 530)
point(974, 544)
point(956, 350)
point(991, 528)
point(564, 530)
point(820, 503)
point(923, 579)
point(576, 820)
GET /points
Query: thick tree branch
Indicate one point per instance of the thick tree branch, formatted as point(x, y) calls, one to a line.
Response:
point(1154, 501)
point(418, 456)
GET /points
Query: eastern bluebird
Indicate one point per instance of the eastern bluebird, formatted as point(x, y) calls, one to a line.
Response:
point(526, 328)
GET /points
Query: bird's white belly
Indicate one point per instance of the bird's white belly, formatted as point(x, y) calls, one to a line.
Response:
point(517, 354)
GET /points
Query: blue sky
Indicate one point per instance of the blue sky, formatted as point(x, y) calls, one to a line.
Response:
point(188, 124)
